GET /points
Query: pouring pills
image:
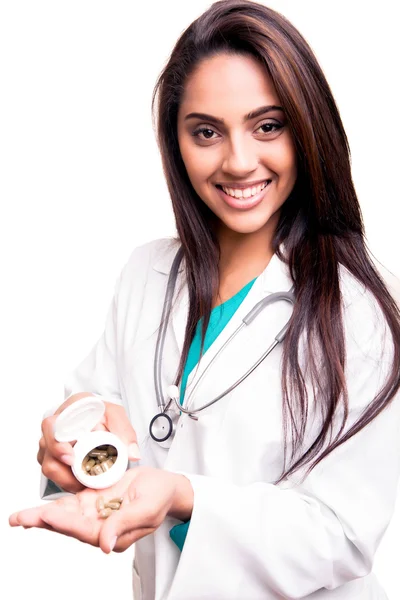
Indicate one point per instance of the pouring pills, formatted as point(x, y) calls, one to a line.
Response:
point(100, 457)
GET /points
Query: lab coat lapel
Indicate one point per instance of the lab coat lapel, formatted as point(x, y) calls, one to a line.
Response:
point(274, 278)
point(180, 299)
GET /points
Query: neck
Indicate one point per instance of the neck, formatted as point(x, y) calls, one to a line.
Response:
point(243, 257)
point(244, 252)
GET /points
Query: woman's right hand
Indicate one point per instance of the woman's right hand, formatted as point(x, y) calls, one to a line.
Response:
point(56, 458)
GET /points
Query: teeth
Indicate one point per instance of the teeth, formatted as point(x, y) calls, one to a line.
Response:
point(246, 193)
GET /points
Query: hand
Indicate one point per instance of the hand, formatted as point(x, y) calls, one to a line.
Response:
point(57, 457)
point(149, 495)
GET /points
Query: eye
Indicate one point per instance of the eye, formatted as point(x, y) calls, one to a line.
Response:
point(205, 131)
point(271, 127)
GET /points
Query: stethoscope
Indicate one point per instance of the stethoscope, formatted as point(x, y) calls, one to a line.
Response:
point(163, 425)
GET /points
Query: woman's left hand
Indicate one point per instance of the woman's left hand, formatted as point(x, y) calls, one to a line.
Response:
point(149, 495)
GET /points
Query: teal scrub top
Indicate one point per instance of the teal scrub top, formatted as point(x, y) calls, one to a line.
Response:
point(220, 316)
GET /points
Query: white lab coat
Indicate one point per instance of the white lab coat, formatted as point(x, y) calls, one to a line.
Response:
point(249, 539)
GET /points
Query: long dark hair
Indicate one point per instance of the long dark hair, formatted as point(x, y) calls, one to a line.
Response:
point(320, 223)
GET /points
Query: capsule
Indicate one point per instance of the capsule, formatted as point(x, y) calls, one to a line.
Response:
point(112, 505)
point(106, 512)
point(112, 451)
point(96, 470)
point(107, 465)
point(119, 500)
point(97, 453)
point(100, 504)
point(90, 463)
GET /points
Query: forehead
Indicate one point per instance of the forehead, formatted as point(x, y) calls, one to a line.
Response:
point(226, 83)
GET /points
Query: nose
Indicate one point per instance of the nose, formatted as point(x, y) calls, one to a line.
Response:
point(240, 157)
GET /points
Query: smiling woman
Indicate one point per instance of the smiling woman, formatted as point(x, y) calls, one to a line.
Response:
point(276, 489)
point(227, 158)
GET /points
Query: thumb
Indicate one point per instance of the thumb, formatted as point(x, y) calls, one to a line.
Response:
point(116, 421)
point(123, 528)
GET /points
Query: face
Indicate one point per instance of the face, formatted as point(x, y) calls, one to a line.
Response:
point(229, 153)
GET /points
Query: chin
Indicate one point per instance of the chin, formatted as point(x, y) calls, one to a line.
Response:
point(247, 224)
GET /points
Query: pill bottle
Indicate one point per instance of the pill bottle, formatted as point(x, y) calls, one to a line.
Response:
point(76, 423)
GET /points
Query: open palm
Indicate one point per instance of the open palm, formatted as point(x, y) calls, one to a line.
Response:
point(147, 497)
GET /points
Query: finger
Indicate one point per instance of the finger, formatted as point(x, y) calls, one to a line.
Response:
point(117, 422)
point(62, 451)
point(29, 517)
point(100, 427)
point(44, 526)
point(61, 474)
point(128, 521)
point(122, 543)
point(70, 520)
point(40, 455)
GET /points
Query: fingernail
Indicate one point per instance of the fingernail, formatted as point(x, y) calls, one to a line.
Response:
point(68, 459)
point(134, 452)
point(112, 543)
point(13, 520)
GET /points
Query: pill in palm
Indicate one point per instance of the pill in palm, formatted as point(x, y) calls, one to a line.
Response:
point(105, 509)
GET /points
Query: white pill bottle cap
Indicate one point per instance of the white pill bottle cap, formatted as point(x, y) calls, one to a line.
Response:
point(76, 423)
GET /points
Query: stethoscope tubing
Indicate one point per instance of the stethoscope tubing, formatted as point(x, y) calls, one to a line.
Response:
point(173, 390)
point(163, 328)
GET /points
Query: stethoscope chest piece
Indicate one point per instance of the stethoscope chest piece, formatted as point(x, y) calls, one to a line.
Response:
point(162, 427)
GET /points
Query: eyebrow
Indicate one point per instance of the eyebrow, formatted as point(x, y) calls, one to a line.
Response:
point(251, 115)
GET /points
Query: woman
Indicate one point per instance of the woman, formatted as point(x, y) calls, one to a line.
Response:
point(284, 487)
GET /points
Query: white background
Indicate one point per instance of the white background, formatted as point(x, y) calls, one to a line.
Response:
point(81, 185)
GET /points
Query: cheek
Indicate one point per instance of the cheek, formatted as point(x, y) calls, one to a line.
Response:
point(199, 165)
point(190, 159)
point(288, 158)
point(283, 161)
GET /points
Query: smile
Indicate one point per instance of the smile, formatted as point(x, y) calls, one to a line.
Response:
point(244, 199)
point(244, 192)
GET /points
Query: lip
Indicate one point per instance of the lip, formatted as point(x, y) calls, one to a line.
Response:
point(241, 186)
point(244, 203)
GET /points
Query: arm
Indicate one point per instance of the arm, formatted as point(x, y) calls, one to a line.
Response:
point(182, 504)
point(96, 375)
point(296, 538)
point(97, 372)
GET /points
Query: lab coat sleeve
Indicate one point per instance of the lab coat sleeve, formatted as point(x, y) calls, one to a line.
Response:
point(295, 538)
point(97, 374)
point(98, 371)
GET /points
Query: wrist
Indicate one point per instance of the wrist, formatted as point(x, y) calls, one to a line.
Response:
point(182, 502)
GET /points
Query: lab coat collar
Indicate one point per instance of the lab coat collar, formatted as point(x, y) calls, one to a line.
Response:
point(274, 278)
point(165, 256)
